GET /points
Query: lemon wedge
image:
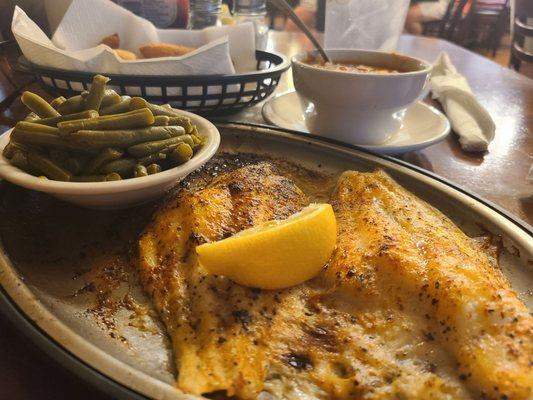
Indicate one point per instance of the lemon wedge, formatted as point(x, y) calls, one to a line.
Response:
point(276, 254)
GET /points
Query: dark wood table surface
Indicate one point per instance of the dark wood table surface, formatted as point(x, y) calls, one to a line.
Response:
point(498, 175)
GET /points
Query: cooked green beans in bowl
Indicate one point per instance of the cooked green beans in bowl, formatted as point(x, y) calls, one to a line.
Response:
point(99, 136)
point(100, 149)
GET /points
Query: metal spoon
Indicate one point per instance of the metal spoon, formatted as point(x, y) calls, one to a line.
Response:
point(285, 8)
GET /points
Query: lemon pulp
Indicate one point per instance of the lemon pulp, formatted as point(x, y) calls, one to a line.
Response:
point(276, 254)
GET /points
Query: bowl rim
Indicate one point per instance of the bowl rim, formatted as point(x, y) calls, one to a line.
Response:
point(296, 60)
point(189, 80)
point(21, 178)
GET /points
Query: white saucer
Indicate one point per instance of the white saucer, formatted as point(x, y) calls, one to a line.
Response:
point(423, 125)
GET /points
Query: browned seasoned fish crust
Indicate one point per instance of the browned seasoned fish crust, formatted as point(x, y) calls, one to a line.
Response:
point(403, 310)
point(209, 318)
point(395, 248)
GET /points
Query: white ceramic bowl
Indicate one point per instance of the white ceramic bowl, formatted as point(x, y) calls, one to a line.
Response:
point(360, 108)
point(116, 194)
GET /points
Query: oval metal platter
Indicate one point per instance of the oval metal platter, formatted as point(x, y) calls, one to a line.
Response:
point(51, 304)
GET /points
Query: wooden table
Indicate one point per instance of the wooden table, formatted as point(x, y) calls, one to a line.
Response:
point(499, 175)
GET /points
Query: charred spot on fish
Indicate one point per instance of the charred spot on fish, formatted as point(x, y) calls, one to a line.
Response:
point(254, 293)
point(243, 317)
point(235, 188)
point(319, 332)
point(225, 234)
point(342, 370)
point(321, 336)
point(299, 361)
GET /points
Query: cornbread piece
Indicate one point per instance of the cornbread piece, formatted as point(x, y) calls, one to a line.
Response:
point(154, 50)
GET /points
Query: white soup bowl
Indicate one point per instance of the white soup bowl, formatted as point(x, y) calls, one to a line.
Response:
point(359, 107)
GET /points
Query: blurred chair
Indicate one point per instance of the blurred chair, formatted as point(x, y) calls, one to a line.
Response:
point(522, 30)
point(450, 27)
point(488, 20)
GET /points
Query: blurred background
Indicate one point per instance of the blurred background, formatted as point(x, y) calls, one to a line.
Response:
point(484, 26)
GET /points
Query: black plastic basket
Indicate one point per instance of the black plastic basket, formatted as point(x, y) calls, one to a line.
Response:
point(201, 94)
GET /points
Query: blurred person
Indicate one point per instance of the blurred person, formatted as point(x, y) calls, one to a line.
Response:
point(307, 11)
point(421, 11)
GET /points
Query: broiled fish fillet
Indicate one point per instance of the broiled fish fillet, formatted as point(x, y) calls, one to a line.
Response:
point(214, 323)
point(385, 320)
point(408, 250)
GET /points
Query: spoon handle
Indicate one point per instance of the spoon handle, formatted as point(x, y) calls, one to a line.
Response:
point(284, 7)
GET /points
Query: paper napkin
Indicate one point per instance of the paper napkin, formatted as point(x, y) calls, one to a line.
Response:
point(74, 46)
point(468, 118)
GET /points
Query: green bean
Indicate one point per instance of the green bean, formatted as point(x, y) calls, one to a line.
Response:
point(118, 108)
point(113, 176)
point(75, 164)
point(96, 92)
point(35, 127)
point(78, 103)
point(20, 160)
point(72, 105)
point(9, 150)
point(140, 170)
point(58, 156)
point(122, 138)
point(47, 140)
point(47, 167)
point(85, 138)
point(164, 109)
point(110, 97)
point(140, 119)
point(69, 117)
point(143, 149)
point(13, 147)
point(161, 120)
point(181, 154)
point(196, 140)
point(88, 178)
point(153, 169)
point(38, 105)
point(57, 102)
point(183, 122)
point(132, 112)
point(105, 156)
point(138, 102)
point(31, 117)
point(123, 166)
point(152, 158)
point(176, 118)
